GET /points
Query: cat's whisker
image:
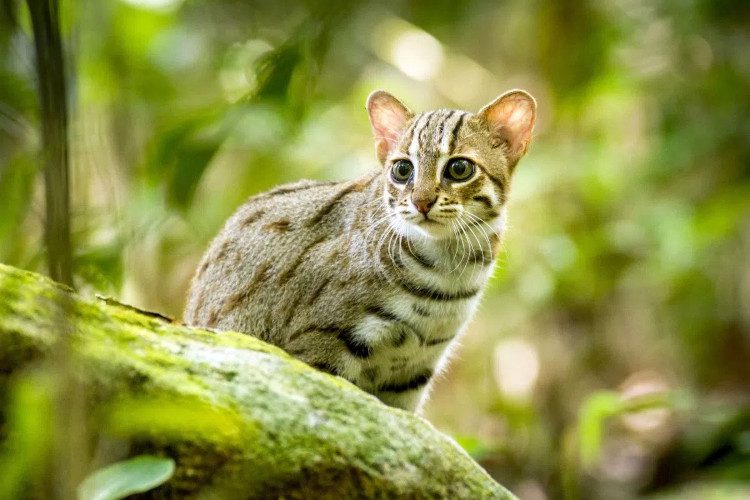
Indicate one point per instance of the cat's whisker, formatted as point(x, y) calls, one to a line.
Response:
point(479, 245)
point(465, 246)
point(469, 252)
point(487, 225)
point(461, 239)
point(374, 225)
point(459, 234)
point(486, 238)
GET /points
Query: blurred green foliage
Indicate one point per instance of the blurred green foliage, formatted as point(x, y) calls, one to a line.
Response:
point(122, 479)
point(626, 266)
point(27, 448)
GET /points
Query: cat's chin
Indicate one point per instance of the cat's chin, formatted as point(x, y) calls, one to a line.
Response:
point(431, 229)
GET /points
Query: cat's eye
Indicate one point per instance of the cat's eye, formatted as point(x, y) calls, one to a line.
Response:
point(401, 171)
point(459, 169)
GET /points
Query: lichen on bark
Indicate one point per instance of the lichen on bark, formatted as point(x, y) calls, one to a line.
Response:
point(241, 418)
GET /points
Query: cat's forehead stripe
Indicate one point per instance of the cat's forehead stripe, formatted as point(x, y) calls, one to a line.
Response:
point(410, 130)
point(414, 140)
point(450, 132)
point(429, 124)
point(434, 130)
point(437, 134)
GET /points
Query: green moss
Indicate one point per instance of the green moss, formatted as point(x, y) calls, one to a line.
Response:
point(241, 417)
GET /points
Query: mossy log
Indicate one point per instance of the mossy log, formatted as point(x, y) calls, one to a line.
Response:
point(241, 418)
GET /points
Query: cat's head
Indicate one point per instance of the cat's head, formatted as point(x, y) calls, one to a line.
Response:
point(445, 169)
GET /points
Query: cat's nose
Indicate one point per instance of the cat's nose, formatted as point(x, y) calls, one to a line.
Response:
point(424, 204)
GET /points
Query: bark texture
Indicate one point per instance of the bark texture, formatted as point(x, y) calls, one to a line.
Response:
point(241, 418)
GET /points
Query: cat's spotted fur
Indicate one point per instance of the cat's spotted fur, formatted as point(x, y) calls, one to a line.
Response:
point(372, 279)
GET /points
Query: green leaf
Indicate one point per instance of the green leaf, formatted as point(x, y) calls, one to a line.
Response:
point(121, 479)
point(593, 415)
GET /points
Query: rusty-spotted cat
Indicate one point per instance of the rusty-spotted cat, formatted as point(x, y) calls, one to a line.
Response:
point(373, 279)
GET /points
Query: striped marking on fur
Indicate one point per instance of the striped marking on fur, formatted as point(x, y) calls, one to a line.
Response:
point(450, 134)
point(290, 310)
point(251, 218)
point(414, 145)
point(425, 132)
point(236, 299)
point(222, 250)
point(434, 342)
point(410, 385)
point(330, 204)
point(202, 268)
point(213, 316)
point(484, 200)
point(289, 272)
point(500, 183)
point(424, 292)
point(382, 313)
point(441, 126)
point(325, 367)
point(278, 226)
point(356, 346)
point(420, 311)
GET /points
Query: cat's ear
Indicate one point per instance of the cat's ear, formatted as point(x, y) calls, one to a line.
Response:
point(388, 116)
point(510, 119)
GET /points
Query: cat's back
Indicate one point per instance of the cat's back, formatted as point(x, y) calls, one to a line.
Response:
point(267, 241)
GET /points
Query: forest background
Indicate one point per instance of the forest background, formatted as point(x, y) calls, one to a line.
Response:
point(625, 274)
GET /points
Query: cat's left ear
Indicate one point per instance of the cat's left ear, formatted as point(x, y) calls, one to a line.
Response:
point(510, 119)
point(388, 116)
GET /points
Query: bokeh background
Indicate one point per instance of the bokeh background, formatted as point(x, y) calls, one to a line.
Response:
point(611, 355)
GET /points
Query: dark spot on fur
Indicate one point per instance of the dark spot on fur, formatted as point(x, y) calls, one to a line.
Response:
point(251, 218)
point(420, 311)
point(202, 268)
point(222, 251)
point(212, 318)
point(279, 225)
point(356, 347)
point(401, 338)
point(325, 367)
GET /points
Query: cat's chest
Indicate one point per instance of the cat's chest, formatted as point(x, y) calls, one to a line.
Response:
point(409, 333)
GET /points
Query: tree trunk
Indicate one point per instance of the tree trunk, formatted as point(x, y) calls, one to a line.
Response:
point(241, 418)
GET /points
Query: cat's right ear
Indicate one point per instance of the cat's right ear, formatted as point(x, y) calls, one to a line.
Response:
point(388, 116)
